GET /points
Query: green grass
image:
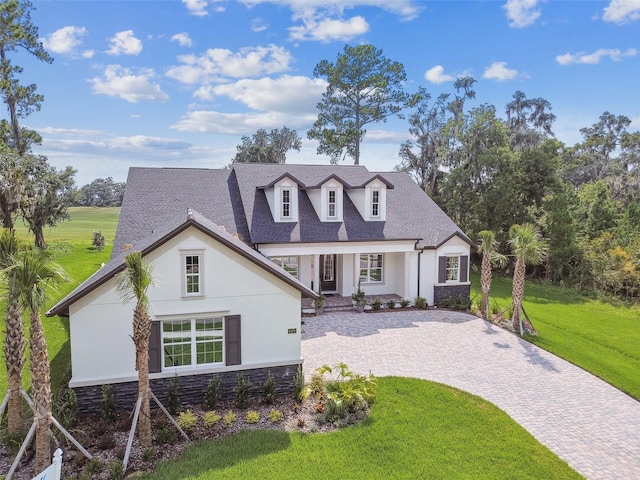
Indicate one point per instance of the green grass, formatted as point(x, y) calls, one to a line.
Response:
point(417, 429)
point(603, 338)
point(71, 245)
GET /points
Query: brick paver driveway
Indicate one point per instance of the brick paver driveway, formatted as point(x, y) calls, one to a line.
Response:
point(585, 421)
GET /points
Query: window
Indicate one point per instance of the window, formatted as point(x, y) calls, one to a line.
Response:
point(452, 272)
point(328, 269)
point(192, 278)
point(286, 203)
point(332, 210)
point(290, 264)
point(375, 203)
point(198, 341)
point(371, 268)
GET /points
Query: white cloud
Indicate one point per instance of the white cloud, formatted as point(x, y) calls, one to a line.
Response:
point(183, 39)
point(436, 75)
point(386, 137)
point(204, 121)
point(77, 132)
point(405, 9)
point(499, 71)
point(216, 64)
point(65, 40)
point(258, 25)
point(327, 30)
point(124, 43)
point(635, 122)
point(594, 58)
point(622, 11)
point(521, 13)
point(200, 7)
point(117, 81)
point(285, 94)
point(88, 54)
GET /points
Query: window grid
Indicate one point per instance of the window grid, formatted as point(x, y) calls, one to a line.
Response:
point(332, 204)
point(371, 268)
point(329, 269)
point(192, 274)
point(375, 203)
point(192, 342)
point(452, 269)
point(286, 203)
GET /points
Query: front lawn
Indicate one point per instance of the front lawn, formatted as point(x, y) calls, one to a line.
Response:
point(417, 429)
point(600, 337)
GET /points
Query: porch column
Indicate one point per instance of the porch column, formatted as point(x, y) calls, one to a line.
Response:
point(406, 283)
point(315, 272)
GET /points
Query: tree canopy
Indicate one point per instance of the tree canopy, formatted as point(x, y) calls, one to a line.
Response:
point(363, 87)
point(263, 147)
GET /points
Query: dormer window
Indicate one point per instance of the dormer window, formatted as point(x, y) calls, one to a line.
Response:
point(375, 203)
point(332, 210)
point(286, 203)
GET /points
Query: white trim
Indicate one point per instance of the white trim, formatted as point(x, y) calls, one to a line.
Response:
point(199, 253)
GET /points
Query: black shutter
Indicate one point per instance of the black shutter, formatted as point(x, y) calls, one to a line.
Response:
point(442, 269)
point(232, 339)
point(464, 268)
point(155, 348)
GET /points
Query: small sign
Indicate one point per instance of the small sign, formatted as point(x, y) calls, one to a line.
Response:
point(292, 330)
point(53, 471)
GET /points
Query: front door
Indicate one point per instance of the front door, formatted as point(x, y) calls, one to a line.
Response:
point(328, 273)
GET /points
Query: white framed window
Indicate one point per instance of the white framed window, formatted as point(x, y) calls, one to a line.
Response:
point(290, 264)
point(286, 203)
point(328, 273)
point(192, 277)
point(371, 268)
point(332, 204)
point(375, 203)
point(452, 269)
point(192, 342)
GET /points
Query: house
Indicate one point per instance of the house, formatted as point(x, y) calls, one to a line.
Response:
point(234, 252)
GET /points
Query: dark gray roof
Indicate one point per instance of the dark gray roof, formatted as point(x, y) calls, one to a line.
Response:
point(411, 214)
point(171, 227)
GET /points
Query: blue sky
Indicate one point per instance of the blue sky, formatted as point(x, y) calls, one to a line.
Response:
point(176, 84)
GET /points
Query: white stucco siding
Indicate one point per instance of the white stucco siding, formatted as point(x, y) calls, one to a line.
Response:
point(102, 350)
point(428, 274)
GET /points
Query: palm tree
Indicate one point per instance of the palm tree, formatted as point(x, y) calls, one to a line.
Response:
point(33, 272)
point(14, 342)
point(133, 284)
point(529, 248)
point(488, 247)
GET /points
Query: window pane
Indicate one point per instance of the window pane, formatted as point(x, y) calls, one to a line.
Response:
point(176, 337)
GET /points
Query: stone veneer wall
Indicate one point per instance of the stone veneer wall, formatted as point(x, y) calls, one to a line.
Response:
point(191, 388)
point(440, 291)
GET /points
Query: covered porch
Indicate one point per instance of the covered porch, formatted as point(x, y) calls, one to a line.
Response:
point(335, 302)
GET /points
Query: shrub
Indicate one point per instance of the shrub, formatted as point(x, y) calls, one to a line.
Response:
point(298, 384)
point(461, 303)
point(252, 417)
point(213, 393)
point(242, 390)
point(275, 415)
point(148, 454)
point(98, 241)
point(65, 407)
point(187, 420)
point(391, 304)
point(376, 304)
point(106, 442)
point(93, 466)
point(446, 301)
point(210, 418)
point(116, 470)
point(108, 411)
point(405, 302)
point(269, 389)
point(172, 396)
point(420, 303)
point(230, 418)
point(165, 434)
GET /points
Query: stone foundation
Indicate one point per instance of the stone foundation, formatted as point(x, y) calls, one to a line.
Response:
point(191, 388)
point(439, 291)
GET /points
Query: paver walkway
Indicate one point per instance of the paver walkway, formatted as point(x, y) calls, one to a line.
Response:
point(591, 425)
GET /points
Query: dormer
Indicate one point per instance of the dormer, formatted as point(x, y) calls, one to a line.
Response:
point(327, 200)
point(371, 200)
point(282, 197)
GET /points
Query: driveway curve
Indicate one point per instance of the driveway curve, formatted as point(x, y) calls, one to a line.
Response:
point(593, 426)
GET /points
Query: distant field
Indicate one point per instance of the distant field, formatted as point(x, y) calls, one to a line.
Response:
point(84, 221)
